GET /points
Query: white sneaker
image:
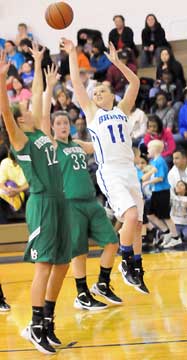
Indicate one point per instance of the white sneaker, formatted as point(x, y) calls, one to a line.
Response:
point(172, 242)
point(166, 238)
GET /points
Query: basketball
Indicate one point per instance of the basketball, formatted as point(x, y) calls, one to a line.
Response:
point(59, 15)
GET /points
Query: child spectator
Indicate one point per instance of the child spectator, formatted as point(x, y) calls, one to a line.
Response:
point(27, 74)
point(165, 112)
point(23, 33)
point(179, 208)
point(155, 130)
point(183, 117)
point(159, 210)
point(99, 61)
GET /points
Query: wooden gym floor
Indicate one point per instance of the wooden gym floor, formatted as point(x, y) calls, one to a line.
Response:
point(146, 327)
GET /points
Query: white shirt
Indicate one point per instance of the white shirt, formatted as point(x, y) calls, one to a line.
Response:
point(111, 138)
point(175, 175)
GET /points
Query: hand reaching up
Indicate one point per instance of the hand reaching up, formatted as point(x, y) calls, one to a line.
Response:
point(36, 53)
point(67, 45)
point(51, 75)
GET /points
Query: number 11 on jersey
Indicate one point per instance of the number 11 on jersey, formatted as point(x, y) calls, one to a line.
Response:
point(120, 130)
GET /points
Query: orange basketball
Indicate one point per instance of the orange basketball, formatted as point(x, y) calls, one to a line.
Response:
point(59, 15)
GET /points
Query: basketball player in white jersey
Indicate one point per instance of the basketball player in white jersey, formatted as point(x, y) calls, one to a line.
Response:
point(110, 130)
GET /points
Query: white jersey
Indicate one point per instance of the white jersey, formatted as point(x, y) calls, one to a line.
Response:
point(110, 132)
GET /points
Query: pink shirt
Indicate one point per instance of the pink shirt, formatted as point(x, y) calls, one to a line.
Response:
point(24, 94)
point(167, 137)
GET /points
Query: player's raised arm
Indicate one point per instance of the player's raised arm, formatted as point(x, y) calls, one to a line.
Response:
point(17, 138)
point(128, 101)
point(37, 85)
point(51, 79)
point(86, 104)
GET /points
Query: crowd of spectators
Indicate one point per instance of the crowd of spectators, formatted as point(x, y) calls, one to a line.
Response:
point(160, 112)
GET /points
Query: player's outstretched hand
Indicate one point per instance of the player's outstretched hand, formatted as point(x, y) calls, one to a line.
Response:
point(4, 66)
point(67, 45)
point(51, 75)
point(36, 53)
point(112, 55)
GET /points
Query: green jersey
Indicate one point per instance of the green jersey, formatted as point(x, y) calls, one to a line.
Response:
point(77, 180)
point(40, 165)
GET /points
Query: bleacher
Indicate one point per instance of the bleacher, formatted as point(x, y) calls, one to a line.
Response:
point(13, 237)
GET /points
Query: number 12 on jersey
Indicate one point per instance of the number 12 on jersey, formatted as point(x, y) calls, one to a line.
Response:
point(112, 134)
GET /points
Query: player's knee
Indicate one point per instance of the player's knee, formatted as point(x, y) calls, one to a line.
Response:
point(131, 216)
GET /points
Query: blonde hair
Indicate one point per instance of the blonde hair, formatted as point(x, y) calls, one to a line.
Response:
point(157, 144)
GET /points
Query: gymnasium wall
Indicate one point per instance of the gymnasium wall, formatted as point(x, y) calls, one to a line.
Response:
point(96, 14)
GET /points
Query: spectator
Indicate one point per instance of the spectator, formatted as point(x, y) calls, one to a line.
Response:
point(99, 61)
point(63, 100)
point(83, 61)
point(168, 62)
point(114, 75)
point(20, 93)
point(183, 117)
point(159, 215)
point(156, 131)
point(138, 123)
point(153, 38)
point(122, 36)
point(179, 169)
point(2, 43)
point(12, 187)
point(179, 208)
point(4, 143)
point(88, 83)
point(86, 37)
point(23, 33)
point(165, 112)
point(27, 74)
point(16, 58)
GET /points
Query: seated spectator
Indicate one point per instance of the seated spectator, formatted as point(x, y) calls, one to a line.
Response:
point(143, 101)
point(82, 131)
point(62, 61)
point(168, 62)
point(83, 61)
point(179, 169)
point(99, 61)
point(183, 117)
point(122, 36)
point(27, 74)
point(86, 37)
point(165, 112)
point(2, 43)
point(138, 124)
point(23, 33)
point(13, 56)
point(88, 83)
point(19, 93)
point(63, 100)
point(179, 208)
point(156, 131)
point(12, 187)
point(114, 75)
point(153, 38)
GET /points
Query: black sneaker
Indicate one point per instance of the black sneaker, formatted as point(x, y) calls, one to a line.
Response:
point(4, 307)
point(37, 335)
point(105, 290)
point(49, 328)
point(126, 268)
point(140, 273)
point(86, 301)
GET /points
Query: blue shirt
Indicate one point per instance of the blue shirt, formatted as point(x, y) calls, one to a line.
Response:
point(17, 59)
point(2, 43)
point(162, 171)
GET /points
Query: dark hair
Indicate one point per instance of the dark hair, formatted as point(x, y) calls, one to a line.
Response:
point(11, 42)
point(99, 44)
point(181, 150)
point(26, 42)
point(156, 21)
point(157, 120)
point(185, 184)
point(120, 16)
point(171, 55)
point(59, 113)
point(161, 92)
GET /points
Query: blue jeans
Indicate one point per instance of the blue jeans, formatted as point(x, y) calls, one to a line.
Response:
point(182, 230)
